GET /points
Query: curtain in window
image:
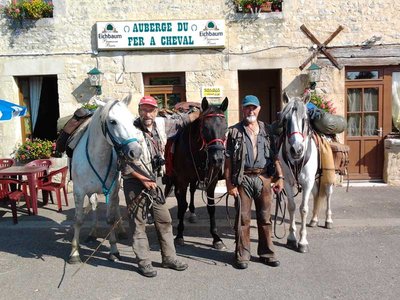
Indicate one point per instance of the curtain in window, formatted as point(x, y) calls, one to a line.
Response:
point(370, 104)
point(396, 99)
point(35, 89)
point(354, 105)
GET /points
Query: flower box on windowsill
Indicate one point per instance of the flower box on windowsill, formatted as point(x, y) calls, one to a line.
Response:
point(28, 10)
point(259, 6)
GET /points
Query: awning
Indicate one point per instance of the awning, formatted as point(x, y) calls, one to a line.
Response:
point(10, 110)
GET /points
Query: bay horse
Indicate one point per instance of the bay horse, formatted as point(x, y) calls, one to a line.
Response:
point(110, 133)
point(198, 156)
point(298, 155)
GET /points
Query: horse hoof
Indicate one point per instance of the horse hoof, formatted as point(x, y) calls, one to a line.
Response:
point(219, 245)
point(192, 218)
point(313, 224)
point(73, 260)
point(328, 225)
point(303, 248)
point(291, 244)
point(91, 239)
point(180, 241)
point(114, 256)
point(122, 236)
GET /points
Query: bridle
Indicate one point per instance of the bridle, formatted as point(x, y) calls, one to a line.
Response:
point(205, 145)
point(217, 143)
point(118, 146)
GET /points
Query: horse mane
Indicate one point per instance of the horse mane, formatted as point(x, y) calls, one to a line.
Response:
point(297, 105)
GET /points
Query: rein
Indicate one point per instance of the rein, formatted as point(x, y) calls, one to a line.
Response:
point(205, 146)
point(118, 148)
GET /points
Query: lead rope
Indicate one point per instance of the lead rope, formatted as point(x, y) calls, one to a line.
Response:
point(278, 207)
point(106, 191)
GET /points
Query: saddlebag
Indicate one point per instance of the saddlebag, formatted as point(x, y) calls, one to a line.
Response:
point(340, 157)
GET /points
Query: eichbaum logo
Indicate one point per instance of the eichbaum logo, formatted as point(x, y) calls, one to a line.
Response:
point(109, 32)
point(211, 29)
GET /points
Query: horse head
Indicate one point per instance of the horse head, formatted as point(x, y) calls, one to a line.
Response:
point(118, 129)
point(295, 120)
point(213, 127)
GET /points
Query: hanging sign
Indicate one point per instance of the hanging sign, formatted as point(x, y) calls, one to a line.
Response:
point(138, 35)
point(211, 91)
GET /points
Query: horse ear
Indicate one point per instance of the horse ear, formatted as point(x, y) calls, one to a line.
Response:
point(286, 98)
point(307, 97)
point(99, 102)
point(204, 104)
point(127, 99)
point(224, 104)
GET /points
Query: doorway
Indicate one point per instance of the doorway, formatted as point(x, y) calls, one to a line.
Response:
point(368, 115)
point(40, 95)
point(266, 85)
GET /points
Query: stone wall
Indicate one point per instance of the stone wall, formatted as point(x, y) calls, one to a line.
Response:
point(391, 170)
point(65, 45)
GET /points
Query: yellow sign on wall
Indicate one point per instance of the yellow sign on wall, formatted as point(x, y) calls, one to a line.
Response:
point(211, 91)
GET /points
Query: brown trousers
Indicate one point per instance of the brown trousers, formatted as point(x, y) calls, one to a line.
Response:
point(259, 189)
point(162, 222)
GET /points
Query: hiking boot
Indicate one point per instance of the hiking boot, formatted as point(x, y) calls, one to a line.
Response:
point(174, 263)
point(147, 270)
point(270, 261)
point(241, 264)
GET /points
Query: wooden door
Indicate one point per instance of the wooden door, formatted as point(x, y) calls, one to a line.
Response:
point(366, 107)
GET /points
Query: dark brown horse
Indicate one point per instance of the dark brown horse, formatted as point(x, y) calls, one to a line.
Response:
point(199, 155)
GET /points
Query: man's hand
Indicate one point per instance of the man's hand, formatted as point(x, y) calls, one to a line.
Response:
point(232, 190)
point(278, 186)
point(149, 184)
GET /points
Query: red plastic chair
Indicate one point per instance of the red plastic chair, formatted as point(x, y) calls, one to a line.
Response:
point(7, 194)
point(6, 162)
point(39, 163)
point(47, 183)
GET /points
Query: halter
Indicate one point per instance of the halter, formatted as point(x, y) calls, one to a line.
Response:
point(117, 145)
point(205, 144)
point(118, 148)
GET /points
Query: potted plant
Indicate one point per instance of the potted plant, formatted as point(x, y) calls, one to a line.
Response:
point(276, 5)
point(252, 6)
point(35, 149)
point(28, 9)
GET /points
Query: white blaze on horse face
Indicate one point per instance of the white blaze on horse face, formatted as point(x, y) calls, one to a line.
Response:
point(296, 137)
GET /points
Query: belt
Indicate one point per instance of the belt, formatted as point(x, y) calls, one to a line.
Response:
point(254, 172)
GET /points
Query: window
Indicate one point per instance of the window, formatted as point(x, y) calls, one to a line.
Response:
point(167, 88)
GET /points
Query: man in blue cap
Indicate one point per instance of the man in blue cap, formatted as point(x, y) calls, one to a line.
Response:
point(251, 164)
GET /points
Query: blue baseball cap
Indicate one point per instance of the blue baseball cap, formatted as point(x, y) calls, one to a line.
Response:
point(250, 100)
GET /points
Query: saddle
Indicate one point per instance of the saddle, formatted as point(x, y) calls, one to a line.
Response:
point(68, 133)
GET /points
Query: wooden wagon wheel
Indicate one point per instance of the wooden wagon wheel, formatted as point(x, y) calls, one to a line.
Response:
point(321, 47)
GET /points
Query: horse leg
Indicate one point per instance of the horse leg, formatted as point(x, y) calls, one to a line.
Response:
point(111, 219)
point(314, 218)
point(180, 194)
point(217, 242)
point(328, 212)
point(74, 257)
point(291, 239)
point(303, 243)
point(93, 204)
point(192, 190)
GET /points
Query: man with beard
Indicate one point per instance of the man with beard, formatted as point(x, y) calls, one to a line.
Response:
point(140, 183)
point(251, 164)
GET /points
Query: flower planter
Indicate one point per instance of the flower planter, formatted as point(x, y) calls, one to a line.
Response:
point(266, 6)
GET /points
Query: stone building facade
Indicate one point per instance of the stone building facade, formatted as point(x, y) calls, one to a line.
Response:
point(261, 55)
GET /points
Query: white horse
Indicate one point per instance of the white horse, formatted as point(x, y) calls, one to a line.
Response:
point(110, 133)
point(298, 154)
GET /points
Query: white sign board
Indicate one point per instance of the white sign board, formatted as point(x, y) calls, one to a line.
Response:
point(138, 35)
point(211, 91)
